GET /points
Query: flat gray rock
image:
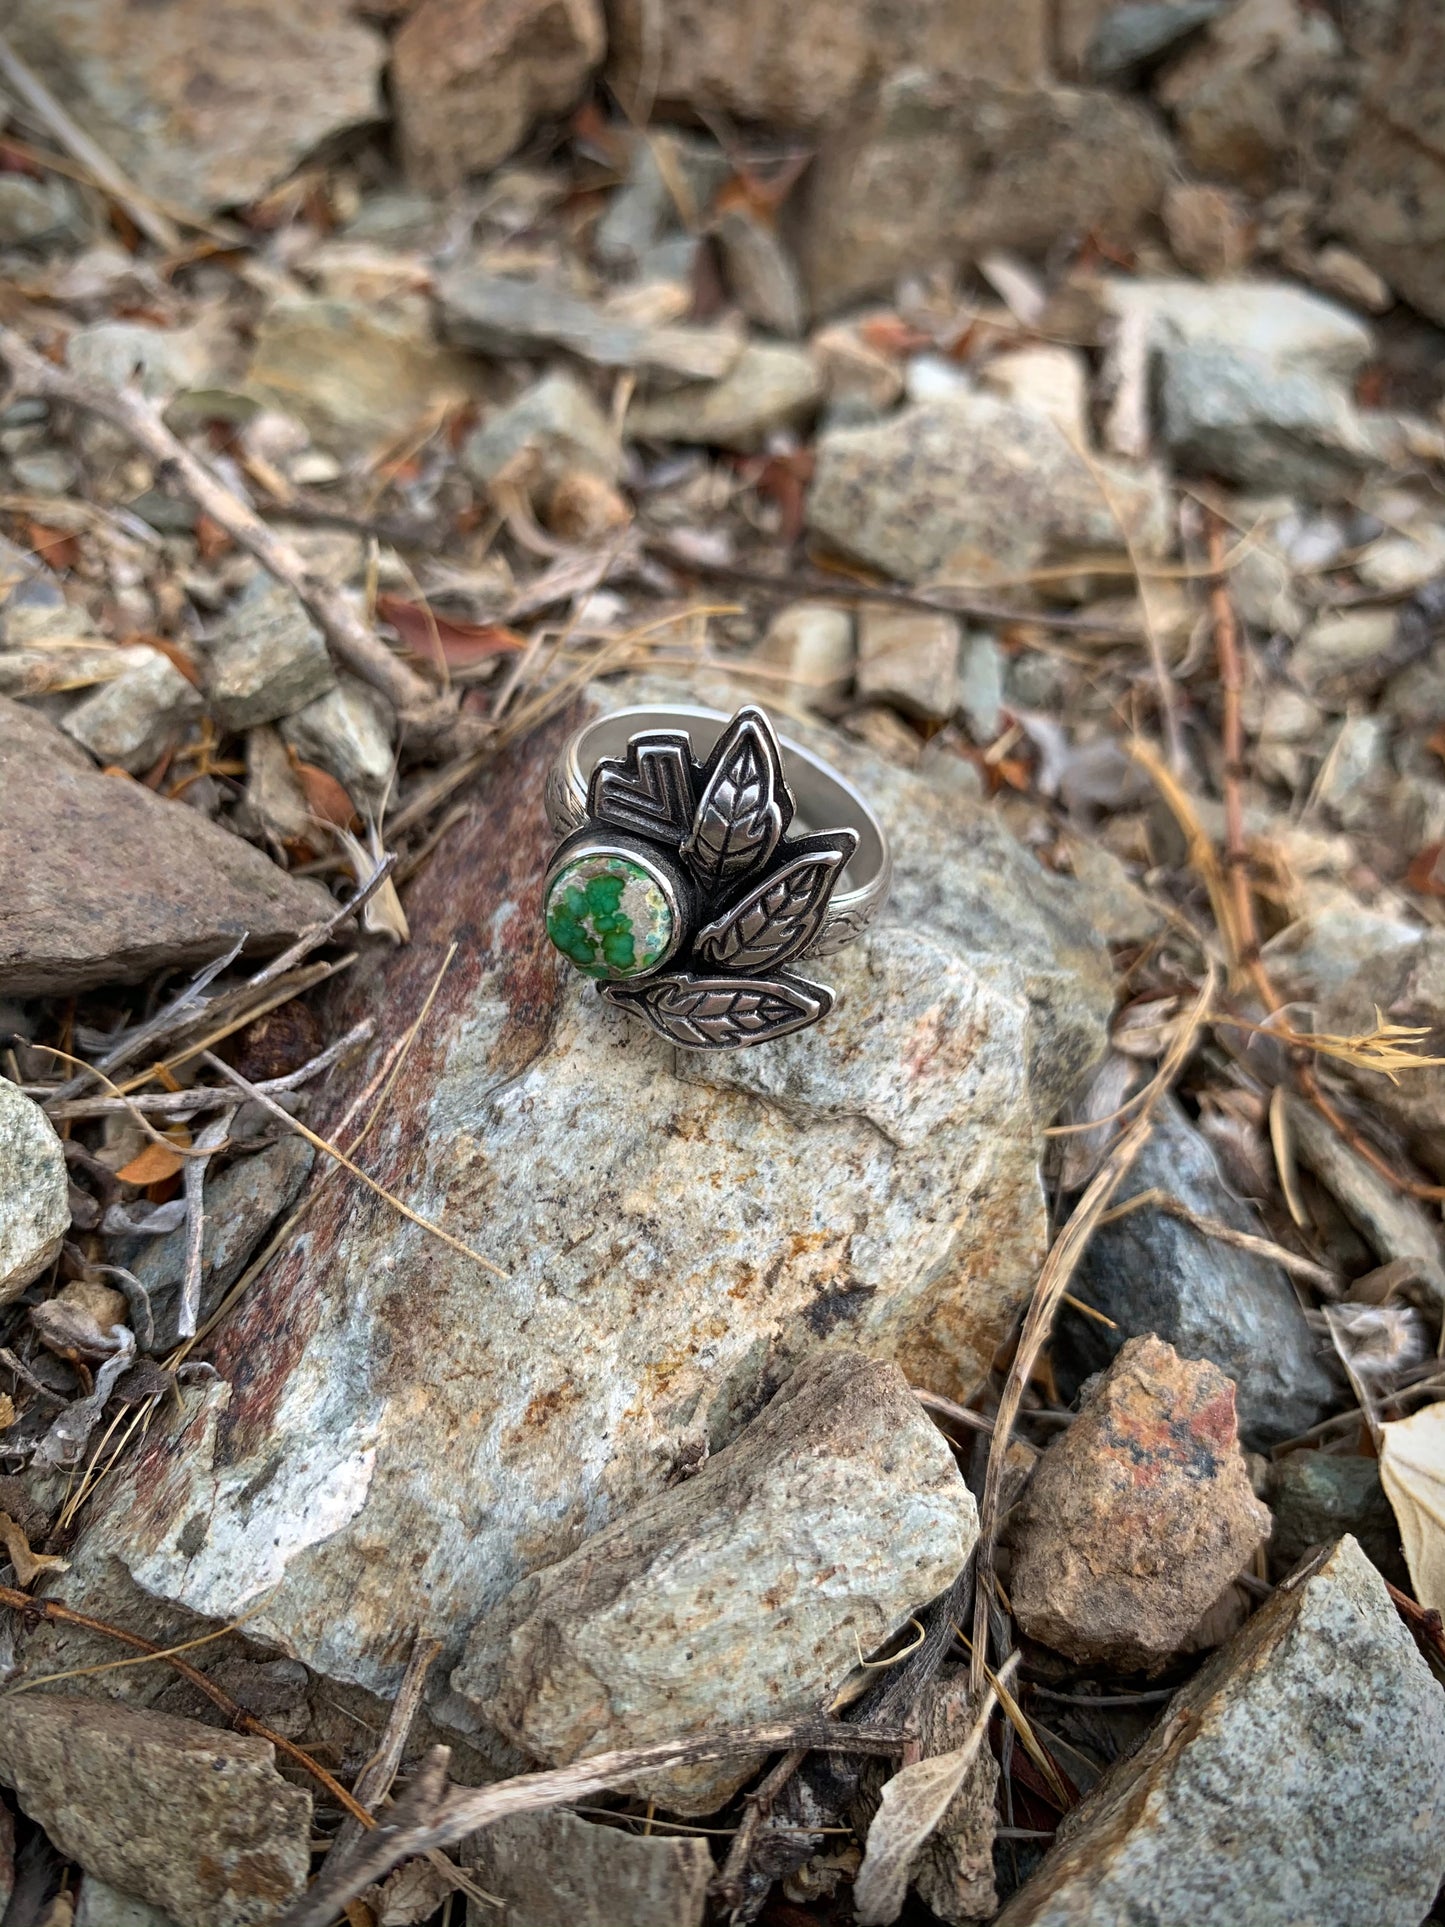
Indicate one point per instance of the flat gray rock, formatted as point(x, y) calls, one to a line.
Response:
point(743, 1594)
point(267, 659)
point(106, 882)
point(1295, 1778)
point(34, 1196)
point(1151, 1272)
point(678, 1234)
point(550, 1867)
point(193, 1819)
point(973, 486)
point(132, 719)
point(770, 386)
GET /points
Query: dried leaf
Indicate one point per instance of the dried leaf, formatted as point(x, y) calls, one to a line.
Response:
point(1423, 874)
point(443, 642)
point(57, 548)
point(212, 541)
point(1412, 1471)
point(28, 1565)
point(64, 1444)
point(152, 1164)
point(410, 1895)
point(912, 1804)
point(7, 1411)
point(325, 797)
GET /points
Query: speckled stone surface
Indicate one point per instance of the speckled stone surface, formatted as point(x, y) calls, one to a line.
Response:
point(1295, 1779)
point(399, 1437)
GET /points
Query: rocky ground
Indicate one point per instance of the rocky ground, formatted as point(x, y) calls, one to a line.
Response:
point(982, 1458)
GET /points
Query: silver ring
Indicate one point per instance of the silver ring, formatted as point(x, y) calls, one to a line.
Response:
point(677, 885)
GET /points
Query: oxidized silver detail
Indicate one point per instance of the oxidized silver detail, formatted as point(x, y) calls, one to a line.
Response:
point(756, 901)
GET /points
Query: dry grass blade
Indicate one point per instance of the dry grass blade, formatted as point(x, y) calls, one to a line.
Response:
point(1058, 1269)
point(1202, 854)
point(1327, 1282)
point(1388, 1048)
point(339, 1156)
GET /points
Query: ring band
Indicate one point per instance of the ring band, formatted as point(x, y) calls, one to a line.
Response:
point(701, 857)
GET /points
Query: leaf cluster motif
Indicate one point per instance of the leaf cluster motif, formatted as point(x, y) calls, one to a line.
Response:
point(763, 899)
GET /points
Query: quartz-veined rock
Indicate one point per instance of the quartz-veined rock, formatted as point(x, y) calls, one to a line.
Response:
point(398, 1437)
point(1295, 1778)
point(34, 1212)
point(744, 1593)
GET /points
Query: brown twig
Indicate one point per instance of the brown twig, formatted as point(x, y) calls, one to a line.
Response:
point(429, 1814)
point(727, 1887)
point(373, 1783)
point(1064, 1255)
point(1231, 683)
point(348, 637)
point(1328, 1283)
point(237, 1716)
point(1423, 1621)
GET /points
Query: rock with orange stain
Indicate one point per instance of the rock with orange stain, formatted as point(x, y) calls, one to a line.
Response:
point(1139, 1516)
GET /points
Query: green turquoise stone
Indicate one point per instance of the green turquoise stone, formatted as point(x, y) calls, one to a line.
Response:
point(609, 916)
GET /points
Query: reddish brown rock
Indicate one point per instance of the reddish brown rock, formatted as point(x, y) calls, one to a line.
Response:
point(1139, 1516)
point(470, 78)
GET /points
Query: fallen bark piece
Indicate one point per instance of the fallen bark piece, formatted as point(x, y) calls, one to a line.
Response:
point(34, 1206)
point(747, 1591)
point(551, 1867)
point(1295, 1778)
point(105, 882)
point(1138, 1516)
point(194, 1820)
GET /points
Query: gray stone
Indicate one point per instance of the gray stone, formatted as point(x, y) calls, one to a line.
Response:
point(358, 374)
point(551, 1867)
point(938, 168)
point(554, 428)
point(106, 882)
point(347, 731)
point(678, 1233)
point(1251, 422)
point(101, 1905)
point(981, 687)
point(135, 716)
point(1318, 954)
point(220, 105)
point(470, 82)
point(1350, 782)
point(163, 361)
point(1138, 1516)
point(1276, 321)
point(47, 471)
point(808, 650)
point(908, 657)
point(191, 1818)
point(1395, 1225)
point(665, 166)
point(501, 315)
point(241, 1206)
point(761, 275)
point(1130, 37)
point(33, 213)
point(1151, 1272)
point(742, 1594)
point(34, 1212)
point(1318, 1496)
point(770, 386)
point(1345, 654)
point(1389, 196)
point(974, 486)
point(1295, 1778)
point(275, 802)
point(806, 67)
point(267, 659)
